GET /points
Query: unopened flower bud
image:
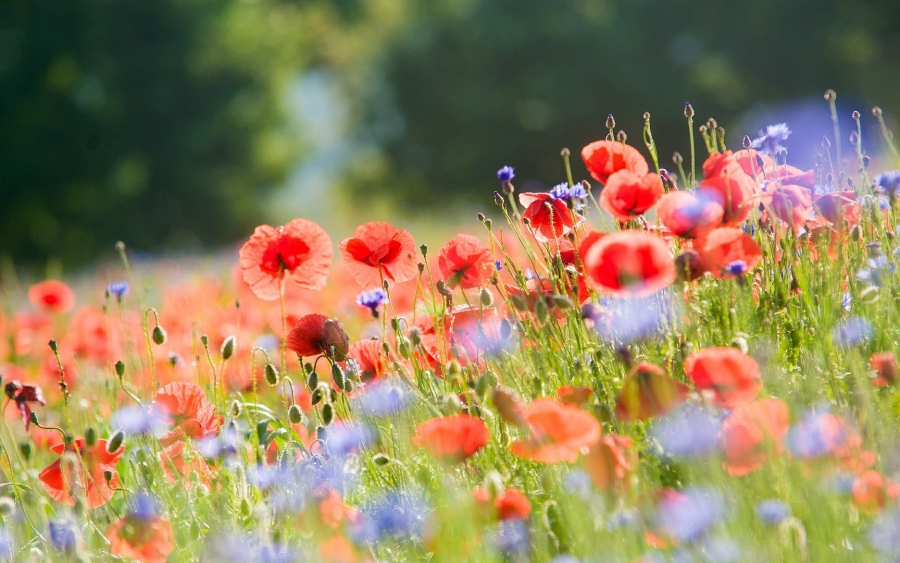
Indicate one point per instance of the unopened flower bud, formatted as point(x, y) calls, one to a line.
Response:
point(486, 297)
point(235, 409)
point(25, 448)
point(688, 110)
point(337, 376)
point(271, 375)
point(295, 415)
point(562, 302)
point(115, 442)
point(327, 413)
point(159, 336)
point(228, 348)
point(380, 459)
point(90, 437)
point(120, 369)
point(52, 345)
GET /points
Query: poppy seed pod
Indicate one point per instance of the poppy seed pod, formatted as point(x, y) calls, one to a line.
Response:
point(159, 335)
point(295, 415)
point(228, 348)
point(271, 375)
point(25, 448)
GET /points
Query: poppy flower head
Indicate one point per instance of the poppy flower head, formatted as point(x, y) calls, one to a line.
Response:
point(184, 407)
point(841, 209)
point(605, 158)
point(627, 195)
point(549, 217)
point(886, 368)
point(452, 438)
point(511, 504)
point(689, 214)
point(724, 376)
point(379, 251)
point(316, 334)
point(300, 249)
point(24, 396)
point(792, 204)
point(630, 263)
point(51, 296)
point(611, 462)
point(557, 432)
point(752, 434)
point(61, 480)
point(729, 252)
point(648, 393)
point(465, 262)
point(148, 538)
point(727, 183)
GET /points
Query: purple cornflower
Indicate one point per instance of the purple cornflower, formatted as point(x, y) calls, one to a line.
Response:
point(119, 289)
point(737, 268)
point(396, 514)
point(135, 419)
point(688, 432)
point(854, 330)
point(888, 182)
point(772, 511)
point(144, 506)
point(372, 299)
point(688, 514)
point(568, 193)
point(64, 535)
point(884, 534)
point(498, 265)
point(770, 138)
point(381, 399)
point(506, 174)
point(512, 538)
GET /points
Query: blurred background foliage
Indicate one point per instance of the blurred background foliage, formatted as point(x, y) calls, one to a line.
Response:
point(183, 124)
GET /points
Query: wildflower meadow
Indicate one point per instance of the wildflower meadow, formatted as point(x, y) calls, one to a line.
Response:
point(685, 359)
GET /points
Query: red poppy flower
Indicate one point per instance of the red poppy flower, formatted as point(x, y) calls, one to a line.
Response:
point(871, 491)
point(317, 334)
point(724, 376)
point(839, 208)
point(558, 432)
point(301, 249)
point(688, 214)
point(791, 204)
point(51, 296)
point(549, 217)
point(729, 252)
point(611, 462)
point(752, 434)
point(379, 251)
point(630, 263)
point(185, 407)
point(727, 184)
point(886, 368)
point(147, 538)
point(178, 461)
point(750, 159)
point(93, 485)
point(647, 393)
point(575, 396)
point(627, 195)
point(23, 395)
point(465, 262)
point(605, 158)
point(452, 438)
point(369, 357)
point(511, 504)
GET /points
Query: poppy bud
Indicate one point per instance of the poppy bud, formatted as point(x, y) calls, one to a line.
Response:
point(498, 199)
point(115, 442)
point(450, 404)
point(688, 110)
point(486, 297)
point(90, 437)
point(380, 460)
point(295, 415)
point(518, 302)
point(541, 311)
point(421, 266)
point(228, 348)
point(869, 294)
point(621, 136)
point(25, 448)
point(34, 418)
point(52, 345)
point(159, 336)
point(120, 369)
point(826, 143)
point(271, 375)
point(480, 217)
point(327, 414)
point(403, 348)
point(321, 433)
point(245, 508)
point(107, 476)
point(235, 409)
point(316, 396)
point(336, 341)
point(746, 142)
point(677, 158)
point(488, 223)
point(337, 376)
point(562, 302)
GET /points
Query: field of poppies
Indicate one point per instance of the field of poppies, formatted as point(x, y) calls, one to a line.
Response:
point(650, 365)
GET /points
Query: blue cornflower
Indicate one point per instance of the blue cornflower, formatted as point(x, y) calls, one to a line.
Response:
point(884, 534)
point(498, 265)
point(395, 514)
point(874, 274)
point(854, 330)
point(64, 535)
point(568, 193)
point(135, 419)
point(372, 299)
point(382, 398)
point(687, 515)
point(770, 138)
point(737, 268)
point(506, 174)
point(144, 506)
point(512, 538)
point(119, 289)
point(889, 182)
point(772, 511)
point(688, 432)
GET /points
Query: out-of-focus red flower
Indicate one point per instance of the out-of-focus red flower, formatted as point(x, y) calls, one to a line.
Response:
point(605, 158)
point(729, 252)
point(550, 218)
point(648, 393)
point(727, 184)
point(452, 438)
point(317, 334)
point(627, 195)
point(791, 204)
point(333, 510)
point(575, 396)
point(300, 249)
point(186, 409)
point(51, 296)
point(379, 251)
point(724, 376)
point(338, 549)
point(147, 538)
point(88, 478)
point(841, 209)
point(630, 263)
point(465, 262)
point(871, 491)
point(886, 368)
point(760, 167)
point(178, 461)
point(558, 432)
point(610, 462)
point(511, 504)
point(369, 357)
point(24, 396)
point(752, 434)
point(689, 215)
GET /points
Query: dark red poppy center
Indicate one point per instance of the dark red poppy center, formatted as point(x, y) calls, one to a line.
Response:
point(286, 252)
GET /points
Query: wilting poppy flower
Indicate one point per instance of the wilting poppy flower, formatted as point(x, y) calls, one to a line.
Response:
point(647, 393)
point(452, 438)
point(605, 158)
point(465, 262)
point(379, 251)
point(301, 249)
point(511, 504)
point(630, 263)
point(627, 195)
point(146, 537)
point(886, 368)
point(839, 208)
point(558, 432)
point(791, 204)
point(316, 334)
point(51, 296)
point(184, 406)
point(752, 434)
point(689, 214)
point(23, 395)
point(549, 217)
point(729, 252)
point(727, 184)
point(58, 481)
point(610, 462)
point(724, 376)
